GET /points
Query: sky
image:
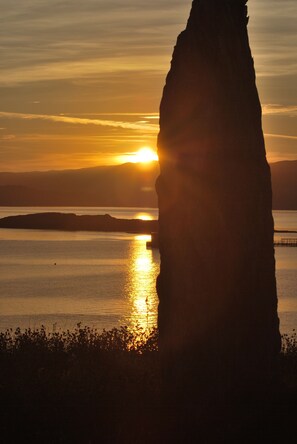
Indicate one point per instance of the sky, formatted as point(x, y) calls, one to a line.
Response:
point(81, 81)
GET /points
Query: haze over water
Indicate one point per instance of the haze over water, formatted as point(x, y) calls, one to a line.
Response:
point(103, 280)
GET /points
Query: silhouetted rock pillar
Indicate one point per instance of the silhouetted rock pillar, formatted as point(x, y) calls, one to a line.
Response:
point(217, 288)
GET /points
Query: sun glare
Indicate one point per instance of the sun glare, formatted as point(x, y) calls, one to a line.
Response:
point(145, 155)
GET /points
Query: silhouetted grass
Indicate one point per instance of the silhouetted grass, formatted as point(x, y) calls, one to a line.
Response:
point(81, 339)
point(106, 387)
point(289, 359)
point(76, 386)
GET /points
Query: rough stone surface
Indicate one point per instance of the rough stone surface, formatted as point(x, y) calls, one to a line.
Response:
point(217, 288)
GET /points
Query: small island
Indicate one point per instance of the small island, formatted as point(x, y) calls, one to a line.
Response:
point(73, 222)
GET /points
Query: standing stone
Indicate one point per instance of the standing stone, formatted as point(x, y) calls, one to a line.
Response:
point(217, 288)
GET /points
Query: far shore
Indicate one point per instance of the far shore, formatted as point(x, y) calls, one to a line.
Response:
point(285, 231)
point(72, 222)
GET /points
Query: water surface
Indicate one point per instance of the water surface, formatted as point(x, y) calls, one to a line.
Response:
point(103, 280)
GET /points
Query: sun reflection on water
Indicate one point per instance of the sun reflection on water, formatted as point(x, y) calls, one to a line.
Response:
point(141, 286)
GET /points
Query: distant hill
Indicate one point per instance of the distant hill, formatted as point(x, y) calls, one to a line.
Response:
point(127, 185)
point(284, 185)
point(122, 185)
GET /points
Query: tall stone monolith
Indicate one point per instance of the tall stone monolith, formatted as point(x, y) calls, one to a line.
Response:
point(217, 288)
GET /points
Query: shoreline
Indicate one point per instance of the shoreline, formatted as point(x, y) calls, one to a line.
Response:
point(73, 222)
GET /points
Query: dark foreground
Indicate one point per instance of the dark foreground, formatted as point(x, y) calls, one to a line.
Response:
point(86, 387)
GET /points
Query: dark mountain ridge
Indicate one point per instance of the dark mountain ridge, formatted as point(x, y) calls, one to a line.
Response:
point(284, 185)
point(131, 185)
point(122, 185)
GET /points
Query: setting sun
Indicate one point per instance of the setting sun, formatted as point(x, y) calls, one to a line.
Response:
point(145, 155)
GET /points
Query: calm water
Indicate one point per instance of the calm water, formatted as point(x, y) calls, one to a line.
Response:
point(103, 280)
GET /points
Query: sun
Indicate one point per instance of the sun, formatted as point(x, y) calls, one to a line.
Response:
point(145, 155)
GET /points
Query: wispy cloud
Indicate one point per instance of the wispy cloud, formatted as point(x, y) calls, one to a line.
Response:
point(82, 121)
point(101, 61)
point(63, 70)
point(40, 40)
point(273, 36)
point(275, 109)
point(281, 136)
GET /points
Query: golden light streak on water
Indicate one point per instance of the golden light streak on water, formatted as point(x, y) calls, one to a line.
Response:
point(143, 272)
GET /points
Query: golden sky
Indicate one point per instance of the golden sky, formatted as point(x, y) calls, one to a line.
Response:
point(81, 81)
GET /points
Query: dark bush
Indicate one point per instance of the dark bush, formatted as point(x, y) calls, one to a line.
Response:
point(107, 387)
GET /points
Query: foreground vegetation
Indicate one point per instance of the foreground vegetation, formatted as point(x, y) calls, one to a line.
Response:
point(90, 387)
